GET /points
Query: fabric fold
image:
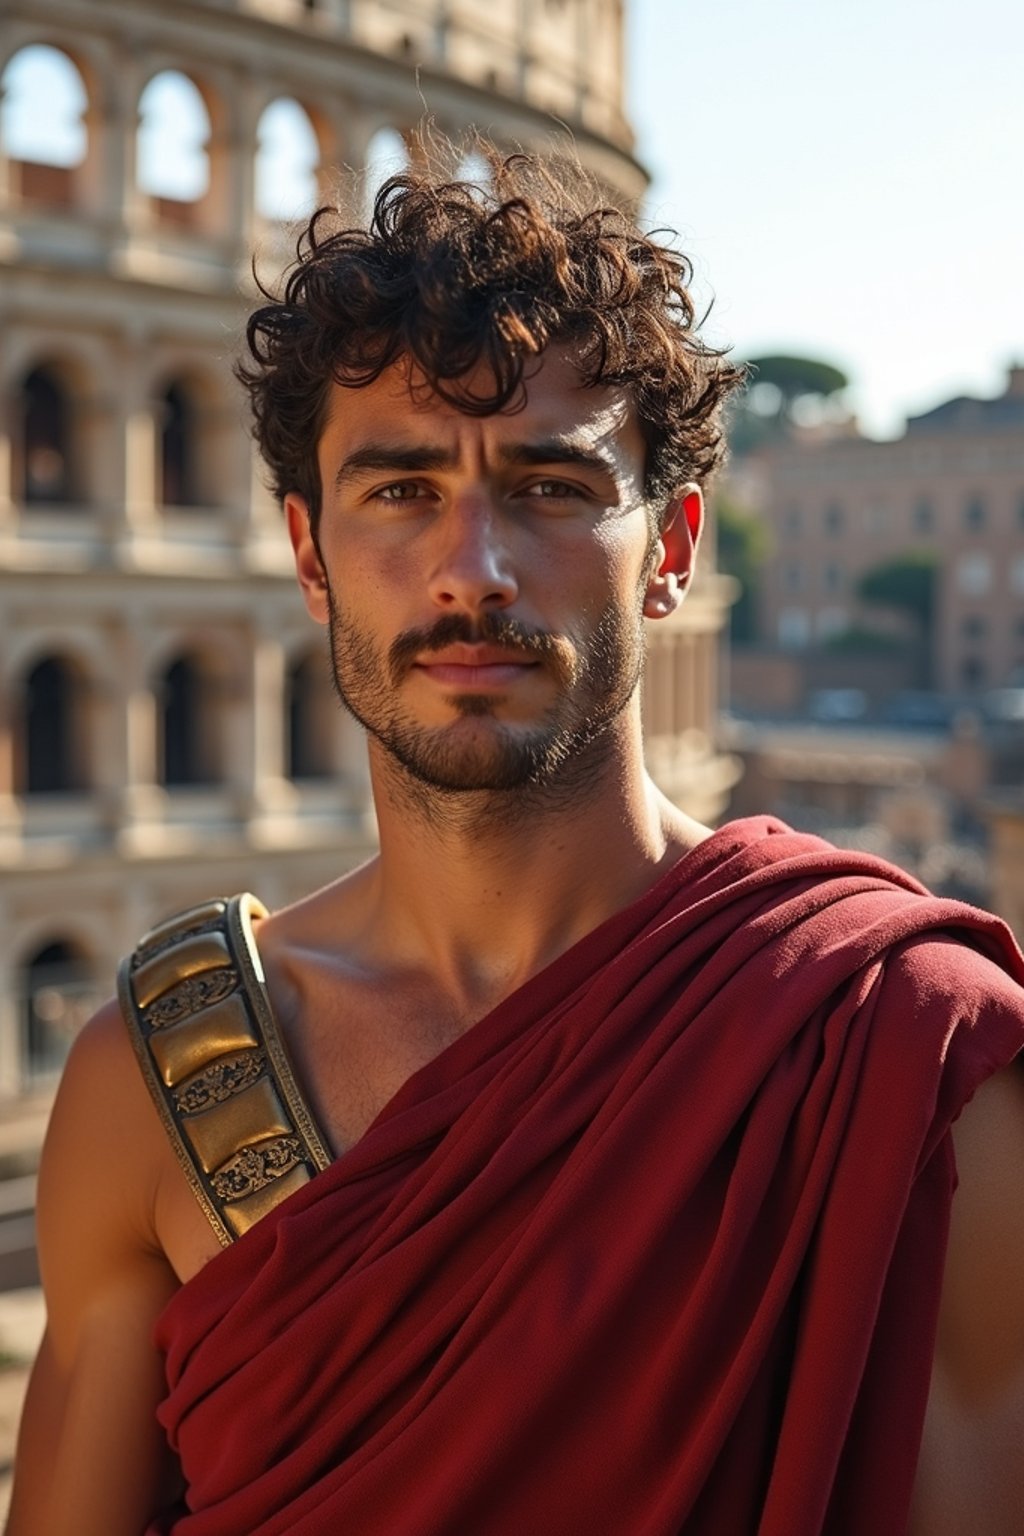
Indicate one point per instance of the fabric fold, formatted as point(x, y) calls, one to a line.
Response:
point(654, 1248)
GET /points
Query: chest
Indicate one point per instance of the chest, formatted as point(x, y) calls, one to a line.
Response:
point(354, 1043)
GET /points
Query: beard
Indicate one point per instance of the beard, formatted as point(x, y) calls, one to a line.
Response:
point(596, 673)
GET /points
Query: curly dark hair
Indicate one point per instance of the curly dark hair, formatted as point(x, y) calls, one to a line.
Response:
point(451, 275)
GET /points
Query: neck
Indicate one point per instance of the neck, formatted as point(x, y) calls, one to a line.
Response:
point(483, 889)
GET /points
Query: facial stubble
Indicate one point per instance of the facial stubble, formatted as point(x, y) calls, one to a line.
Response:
point(595, 673)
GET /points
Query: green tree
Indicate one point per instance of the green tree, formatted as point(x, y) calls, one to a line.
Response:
point(743, 544)
point(857, 640)
point(907, 584)
point(782, 391)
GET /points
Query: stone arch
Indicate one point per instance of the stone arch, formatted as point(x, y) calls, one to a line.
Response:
point(311, 713)
point(46, 457)
point(58, 992)
point(290, 161)
point(79, 364)
point(190, 687)
point(52, 747)
point(53, 635)
point(44, 125)
point(196, 432)
point(182, 152)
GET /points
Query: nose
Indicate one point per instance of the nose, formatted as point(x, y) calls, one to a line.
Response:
point(473, 566)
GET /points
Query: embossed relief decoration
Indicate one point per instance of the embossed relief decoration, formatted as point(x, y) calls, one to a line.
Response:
point(219, 1082)
point(190, 995)
point(255, 1167)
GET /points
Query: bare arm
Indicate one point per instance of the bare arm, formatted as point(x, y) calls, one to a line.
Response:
point(91, 1457)
point(971, 1472)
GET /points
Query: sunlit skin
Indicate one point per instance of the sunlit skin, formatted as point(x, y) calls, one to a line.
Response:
point(535, 518)
point(489, 580)
point(507, 548)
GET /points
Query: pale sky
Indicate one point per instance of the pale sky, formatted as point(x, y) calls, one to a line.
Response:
point(848, 176)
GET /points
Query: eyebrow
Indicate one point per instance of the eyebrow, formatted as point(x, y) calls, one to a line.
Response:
point(558, 450)
point(387, 459)
point(379, 457)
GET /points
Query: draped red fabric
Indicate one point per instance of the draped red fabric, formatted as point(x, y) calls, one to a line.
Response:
point(655, 1248)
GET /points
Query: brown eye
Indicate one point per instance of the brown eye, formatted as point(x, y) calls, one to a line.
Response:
point(553, 489)
point(399, 490)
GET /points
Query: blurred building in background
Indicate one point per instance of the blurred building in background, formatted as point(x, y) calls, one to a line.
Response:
point(947, 499)
point(877, 696)
point(167, 727)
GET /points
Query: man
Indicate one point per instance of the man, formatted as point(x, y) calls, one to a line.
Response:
point(604, 1169)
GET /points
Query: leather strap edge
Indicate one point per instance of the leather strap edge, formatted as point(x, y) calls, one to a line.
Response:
point(240, 913)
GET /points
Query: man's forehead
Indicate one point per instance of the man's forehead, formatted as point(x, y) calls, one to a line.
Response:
point(555, 403)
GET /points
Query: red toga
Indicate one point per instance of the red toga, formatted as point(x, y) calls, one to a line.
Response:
point(654, 1249)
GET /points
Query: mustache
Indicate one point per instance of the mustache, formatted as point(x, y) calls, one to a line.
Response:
point(497, 629)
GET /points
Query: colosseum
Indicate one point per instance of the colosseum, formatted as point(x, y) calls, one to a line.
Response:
point(167, 728)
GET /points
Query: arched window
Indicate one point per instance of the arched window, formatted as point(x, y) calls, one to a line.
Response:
point(46, 468)
point(287, 160)
point(174, 131)
point(58, 993)
point(387, 154)
point(311, 717)
point(178, 447)
point(189, 730)
point(51, 757)
point(42, 106)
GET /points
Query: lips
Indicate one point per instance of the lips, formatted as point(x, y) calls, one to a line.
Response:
point(476, 656)
point(475, 666)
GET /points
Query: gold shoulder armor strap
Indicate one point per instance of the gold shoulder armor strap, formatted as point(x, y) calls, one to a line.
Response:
point(195, 1001)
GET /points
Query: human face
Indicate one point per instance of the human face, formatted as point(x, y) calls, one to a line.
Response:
point(484, 578)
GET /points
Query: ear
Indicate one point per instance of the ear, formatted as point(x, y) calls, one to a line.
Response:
point(675, 553)
point(308, 566)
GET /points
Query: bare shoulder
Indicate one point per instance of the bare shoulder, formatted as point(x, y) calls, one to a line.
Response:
point(328, 915)
point(321, 933)
point(103, 1157)
point(106, 1281)
point(971, 1474)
